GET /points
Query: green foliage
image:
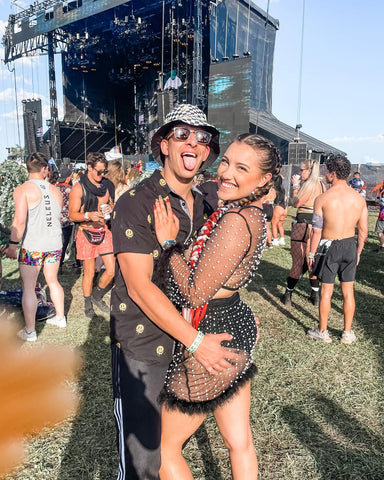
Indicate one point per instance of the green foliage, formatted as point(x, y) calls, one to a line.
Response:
point(16, 153)
point(11, 175)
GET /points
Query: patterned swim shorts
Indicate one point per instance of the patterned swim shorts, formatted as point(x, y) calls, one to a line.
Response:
point(38, 258)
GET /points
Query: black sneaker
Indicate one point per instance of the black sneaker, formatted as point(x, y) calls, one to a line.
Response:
point(100, 304)
point(314, 298)
point(89, 312)
point(287, 298)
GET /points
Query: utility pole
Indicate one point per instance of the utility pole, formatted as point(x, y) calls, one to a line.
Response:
point(197, 81)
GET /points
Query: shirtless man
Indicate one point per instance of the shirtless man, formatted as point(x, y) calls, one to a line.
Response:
point(37, 223)
point(337, 212)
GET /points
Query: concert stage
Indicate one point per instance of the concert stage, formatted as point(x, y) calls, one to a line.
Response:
point(125, 64)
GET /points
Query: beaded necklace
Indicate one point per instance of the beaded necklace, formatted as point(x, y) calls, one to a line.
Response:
point(206, 231)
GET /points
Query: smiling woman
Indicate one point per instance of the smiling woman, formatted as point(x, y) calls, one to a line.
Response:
point(239, 172)
point(205, 282)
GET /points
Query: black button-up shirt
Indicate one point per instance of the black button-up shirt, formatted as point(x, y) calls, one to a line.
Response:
point(133, 231)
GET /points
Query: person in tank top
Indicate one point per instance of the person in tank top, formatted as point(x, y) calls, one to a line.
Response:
point(36, 224)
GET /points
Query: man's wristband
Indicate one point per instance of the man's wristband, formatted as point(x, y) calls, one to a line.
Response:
point(196, 343)
point(11, 242)
point(86, 217)
point(295, 185)
point(168, 244)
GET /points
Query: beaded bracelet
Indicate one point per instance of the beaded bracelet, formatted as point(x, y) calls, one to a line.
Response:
point(196, 343)
point(311, 255)
point(168, 244)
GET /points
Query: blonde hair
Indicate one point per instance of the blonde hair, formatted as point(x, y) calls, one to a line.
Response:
point(133, 173)
point(312, 181)
point(116, 173)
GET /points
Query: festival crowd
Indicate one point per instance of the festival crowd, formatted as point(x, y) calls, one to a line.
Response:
point(174, 253)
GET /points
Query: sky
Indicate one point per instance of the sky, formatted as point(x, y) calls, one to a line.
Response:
point(342, 94)
point(341, 99)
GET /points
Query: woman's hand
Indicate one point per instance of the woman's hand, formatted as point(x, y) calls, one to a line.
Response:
point(166, 222)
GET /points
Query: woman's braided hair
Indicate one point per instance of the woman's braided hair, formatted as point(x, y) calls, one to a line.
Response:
point(269, 163)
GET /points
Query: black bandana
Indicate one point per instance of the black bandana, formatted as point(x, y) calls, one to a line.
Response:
point(91, 192)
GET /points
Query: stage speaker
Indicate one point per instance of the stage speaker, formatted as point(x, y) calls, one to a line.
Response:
point(297, 153)
point(33, 125)
point(164, 105)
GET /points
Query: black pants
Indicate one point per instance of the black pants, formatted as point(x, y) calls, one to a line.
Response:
point(136, 387)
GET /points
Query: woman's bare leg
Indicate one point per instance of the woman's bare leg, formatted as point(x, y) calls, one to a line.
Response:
point(233, 421)
point(282, 218)
point(176, 428)
point(277, 221)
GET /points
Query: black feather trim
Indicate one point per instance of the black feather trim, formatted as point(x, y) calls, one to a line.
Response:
point(173, 403)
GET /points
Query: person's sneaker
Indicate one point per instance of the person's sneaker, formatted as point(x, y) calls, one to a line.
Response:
point(348, 337)
point(282, 241)
point(27, 336)
point(57, 321)
point(101, 305)
point(275, 242)
point(314, 297)
point(89, 312)
point(286, 299)
point(322, 336)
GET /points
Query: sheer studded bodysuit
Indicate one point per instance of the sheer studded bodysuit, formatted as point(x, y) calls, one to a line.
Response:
point(227, 261)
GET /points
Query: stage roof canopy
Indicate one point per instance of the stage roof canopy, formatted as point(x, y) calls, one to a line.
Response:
point(271, 124)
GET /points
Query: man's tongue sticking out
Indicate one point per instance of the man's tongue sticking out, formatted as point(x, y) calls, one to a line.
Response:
point(189, 160)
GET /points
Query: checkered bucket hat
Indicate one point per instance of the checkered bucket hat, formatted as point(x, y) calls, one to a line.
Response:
point(190, 115)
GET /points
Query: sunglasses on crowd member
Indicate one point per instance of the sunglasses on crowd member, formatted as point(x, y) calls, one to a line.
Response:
point(183, 133)
point(101, 172)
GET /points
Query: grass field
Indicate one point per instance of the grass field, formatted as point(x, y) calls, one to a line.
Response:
point(317, 410)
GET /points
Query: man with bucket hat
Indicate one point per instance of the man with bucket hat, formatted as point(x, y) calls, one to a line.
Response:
point(144, 323)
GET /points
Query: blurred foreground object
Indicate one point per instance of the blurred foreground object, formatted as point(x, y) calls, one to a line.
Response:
point(34, 392)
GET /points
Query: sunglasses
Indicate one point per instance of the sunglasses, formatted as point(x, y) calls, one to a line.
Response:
point(183, 133)
point(101, 172)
